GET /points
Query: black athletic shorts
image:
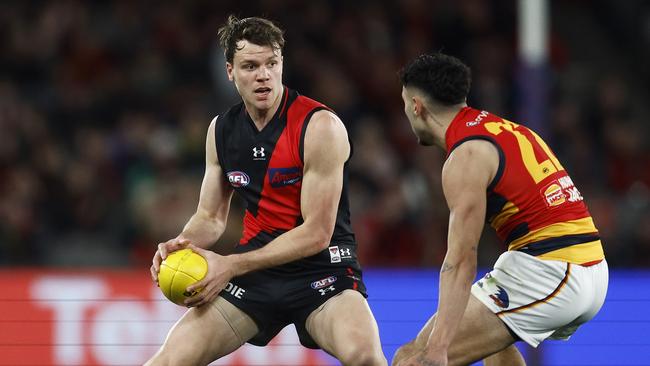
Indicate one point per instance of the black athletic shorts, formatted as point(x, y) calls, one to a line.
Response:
point(275, 297)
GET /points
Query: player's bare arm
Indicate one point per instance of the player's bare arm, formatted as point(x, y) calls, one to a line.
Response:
point(325, 152)
point(209, 221)
point(465, 177)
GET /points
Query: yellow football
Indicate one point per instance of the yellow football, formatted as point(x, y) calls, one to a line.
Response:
point(178, 271)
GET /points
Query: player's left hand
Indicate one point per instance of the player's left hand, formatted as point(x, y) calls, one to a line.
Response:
point(220, 271)
point(424, 358)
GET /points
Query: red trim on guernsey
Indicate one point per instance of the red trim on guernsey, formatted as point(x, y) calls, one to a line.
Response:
point(284, 104)
point(355, 284)
point(251, 228)
point(592, 263)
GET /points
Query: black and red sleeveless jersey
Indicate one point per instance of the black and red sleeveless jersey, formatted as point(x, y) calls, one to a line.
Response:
point(266, 167)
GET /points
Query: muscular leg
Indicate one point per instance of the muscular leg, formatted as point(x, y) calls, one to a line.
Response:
point(508, 357)
point(481, 334)
point(345, 328)
point(205, 334)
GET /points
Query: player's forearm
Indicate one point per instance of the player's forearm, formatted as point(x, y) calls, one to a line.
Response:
point(203, 230)
point(295, 244)
point(456, 276)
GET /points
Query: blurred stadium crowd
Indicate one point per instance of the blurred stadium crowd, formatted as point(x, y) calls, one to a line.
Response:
point(104, 107)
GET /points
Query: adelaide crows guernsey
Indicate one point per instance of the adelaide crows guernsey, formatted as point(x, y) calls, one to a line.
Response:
point(266, 168)
point(532, 203)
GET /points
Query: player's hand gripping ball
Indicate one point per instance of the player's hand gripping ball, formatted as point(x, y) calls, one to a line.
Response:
point(179, 270)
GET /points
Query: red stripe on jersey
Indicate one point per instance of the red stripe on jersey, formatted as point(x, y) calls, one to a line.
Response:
point(279, 204)
point(251, 228)
point(284, 104)
point(592, 263)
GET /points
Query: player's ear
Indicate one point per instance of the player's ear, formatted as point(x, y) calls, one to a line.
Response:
point(229, 71)
point(418, 106)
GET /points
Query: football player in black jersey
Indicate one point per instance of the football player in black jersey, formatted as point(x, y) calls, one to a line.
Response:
point(286, 155)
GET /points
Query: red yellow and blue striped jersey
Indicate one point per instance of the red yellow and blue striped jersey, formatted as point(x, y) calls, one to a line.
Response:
point(532, 203)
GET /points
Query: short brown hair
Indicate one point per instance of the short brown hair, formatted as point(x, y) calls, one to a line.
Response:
point(259, 31)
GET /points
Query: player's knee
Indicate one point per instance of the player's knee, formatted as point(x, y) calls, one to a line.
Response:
point(365, 358)
point(167, 357)
point(159, 359)
point(363, 354)
point(403, 352)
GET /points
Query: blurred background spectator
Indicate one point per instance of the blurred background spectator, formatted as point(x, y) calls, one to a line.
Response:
point(104, 106)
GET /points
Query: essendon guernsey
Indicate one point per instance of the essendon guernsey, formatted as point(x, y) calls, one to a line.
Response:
point(266, 167)
point(532, 203)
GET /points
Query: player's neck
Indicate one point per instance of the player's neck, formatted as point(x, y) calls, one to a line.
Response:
point(261, 117)
point(441, 118)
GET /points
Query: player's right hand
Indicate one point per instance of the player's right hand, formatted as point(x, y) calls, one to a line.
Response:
point(164, 249)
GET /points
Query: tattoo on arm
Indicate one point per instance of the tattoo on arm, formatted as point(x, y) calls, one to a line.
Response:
point(446, 267)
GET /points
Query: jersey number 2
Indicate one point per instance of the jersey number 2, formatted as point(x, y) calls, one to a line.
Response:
point(529, 144)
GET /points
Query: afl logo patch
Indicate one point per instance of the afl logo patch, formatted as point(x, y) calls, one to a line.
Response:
point(238, 179)
point(323, 282)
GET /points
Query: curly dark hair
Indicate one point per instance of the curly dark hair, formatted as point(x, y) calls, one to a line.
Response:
point(444, 78)
point(259, 31)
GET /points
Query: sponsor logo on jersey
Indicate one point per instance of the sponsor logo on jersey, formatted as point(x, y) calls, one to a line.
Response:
point(258, 153)
point(570, 189)
point(477, 120)
point(234, 290)
point(323, 291)
point(335, 255)
point(339, 253)
point(280, 177)
point(238, 179)
point(560, 191)
point(323, 282)
point(554, 195)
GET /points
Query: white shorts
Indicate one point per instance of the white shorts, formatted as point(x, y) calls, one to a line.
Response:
point(539, 299)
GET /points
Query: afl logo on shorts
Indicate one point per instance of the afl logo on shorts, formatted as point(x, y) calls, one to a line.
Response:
point(238, 179)
point(323, 283)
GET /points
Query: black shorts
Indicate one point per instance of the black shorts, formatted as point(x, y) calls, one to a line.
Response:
point(276, 299)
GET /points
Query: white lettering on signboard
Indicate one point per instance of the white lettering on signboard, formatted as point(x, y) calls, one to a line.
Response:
point(63, 295)
point(95, 323)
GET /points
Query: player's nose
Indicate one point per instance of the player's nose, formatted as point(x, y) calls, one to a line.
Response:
point(263, 74)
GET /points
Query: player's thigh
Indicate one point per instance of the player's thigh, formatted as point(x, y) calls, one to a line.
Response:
point(481, 333)
point(205, 334)
point(345, 327)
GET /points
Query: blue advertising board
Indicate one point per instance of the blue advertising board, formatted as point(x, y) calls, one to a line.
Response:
point(403, 300)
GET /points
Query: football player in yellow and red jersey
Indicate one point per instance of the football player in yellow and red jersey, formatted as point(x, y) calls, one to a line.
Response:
point(553, 276)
